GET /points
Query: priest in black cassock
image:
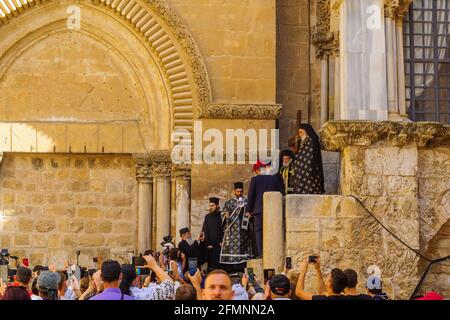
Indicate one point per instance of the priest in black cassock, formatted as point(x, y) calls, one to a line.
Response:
point(213, 234)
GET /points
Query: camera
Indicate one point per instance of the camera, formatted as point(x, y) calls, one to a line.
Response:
point(312, 259)
point(167, 244)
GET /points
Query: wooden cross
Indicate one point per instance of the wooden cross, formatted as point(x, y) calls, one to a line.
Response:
point(292, 142)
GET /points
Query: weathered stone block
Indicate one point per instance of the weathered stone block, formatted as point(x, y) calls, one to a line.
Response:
point(105, 227)
point(45, 225)
point(25, 225)
point(89, 212)
point(94, 240)
point(123, 227)
point(21, 240)
point(406, 186)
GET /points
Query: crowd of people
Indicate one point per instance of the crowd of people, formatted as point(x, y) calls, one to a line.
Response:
point(112, 281)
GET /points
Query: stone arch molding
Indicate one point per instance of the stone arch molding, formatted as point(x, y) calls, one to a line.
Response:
point(168, 39)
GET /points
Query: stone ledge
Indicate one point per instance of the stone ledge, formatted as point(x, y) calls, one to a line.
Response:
point(242, 111)
point(336, 135)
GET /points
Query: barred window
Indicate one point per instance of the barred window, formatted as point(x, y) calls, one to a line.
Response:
point(427, 60)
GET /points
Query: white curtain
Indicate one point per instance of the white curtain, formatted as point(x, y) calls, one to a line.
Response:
point(424, 72)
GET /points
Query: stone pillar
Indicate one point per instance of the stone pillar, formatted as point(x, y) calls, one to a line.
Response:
point(337, 94)
point(402, 10)
point(391, 65)
point(162, 168)
point(182, 175)
point(401, 71)
point(273, 232)
point(324, 92)
point(362, 50)
point(145, 197)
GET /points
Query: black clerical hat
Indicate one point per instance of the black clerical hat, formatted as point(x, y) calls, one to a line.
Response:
point(214, 200)
point(238, 185)
point(287, 153)
point(184, 230)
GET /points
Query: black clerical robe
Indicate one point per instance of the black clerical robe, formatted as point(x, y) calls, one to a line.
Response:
point(213, 231)
point(190, 251)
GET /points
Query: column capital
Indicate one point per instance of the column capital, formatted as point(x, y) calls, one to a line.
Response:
point(403, 9)
point(161, 163)
point(181, 171)
point(143, 167)
point(390, 8)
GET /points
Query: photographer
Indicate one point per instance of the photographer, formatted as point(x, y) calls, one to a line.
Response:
point(164, 290)
point(329, 290)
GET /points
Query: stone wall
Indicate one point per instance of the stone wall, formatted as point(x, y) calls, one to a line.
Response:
point(237, 41)
point(298, 70)
point(345, 236)
point(53, 205)
point(438, 277)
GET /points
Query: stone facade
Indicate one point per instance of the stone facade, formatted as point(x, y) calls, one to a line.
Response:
point(298, 69)
point(345, 236)
point(54, 205)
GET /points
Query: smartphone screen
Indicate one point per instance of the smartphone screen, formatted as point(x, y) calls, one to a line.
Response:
point(251, 275)
point(192, 266)
point(142, 271)
point(288, 263)
point(268, 274)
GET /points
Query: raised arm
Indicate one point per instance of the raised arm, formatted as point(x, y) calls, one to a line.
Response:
point(300, 288)
point(321, 289)
point(153, 265)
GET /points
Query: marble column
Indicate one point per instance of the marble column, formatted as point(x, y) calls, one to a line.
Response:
point(162, 168)
point(145, 196)
point(324, 113)
point(182, 175)
point(401, 11)
point(401, 72)
point(273, 232)
point(391, 69)
point(363, 91)
point(337, 91)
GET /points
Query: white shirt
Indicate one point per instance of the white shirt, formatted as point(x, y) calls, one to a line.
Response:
point(35, 297)
point(163, 291)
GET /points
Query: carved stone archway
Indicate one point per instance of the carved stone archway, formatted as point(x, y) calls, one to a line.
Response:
point(166, 36)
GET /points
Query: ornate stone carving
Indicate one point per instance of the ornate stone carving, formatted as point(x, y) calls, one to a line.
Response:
point(144, 171)
point(185, 39)
point(162, 164)
point(181, 171)
point(336, 135)
point(403, 8)
point(326, 42)
point(242, 111)
point(390, 8)
point(178, 37)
